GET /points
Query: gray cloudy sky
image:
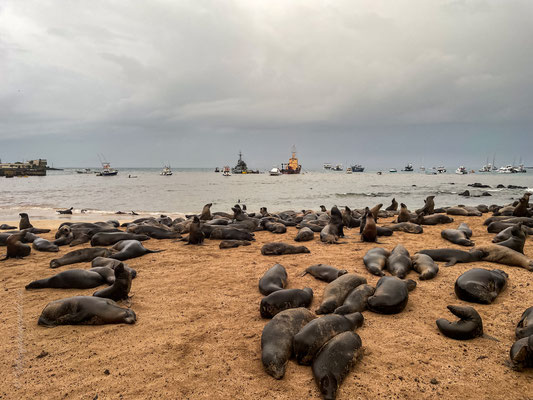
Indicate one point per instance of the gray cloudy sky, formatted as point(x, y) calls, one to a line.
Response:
point(192, 82)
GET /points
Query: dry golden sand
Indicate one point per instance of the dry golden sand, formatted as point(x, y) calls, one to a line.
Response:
point(198, 329)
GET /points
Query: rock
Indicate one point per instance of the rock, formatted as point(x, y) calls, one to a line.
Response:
point(478, 185)
point(465, 193)
point(500, 186)
point(43, 354)
point(486, 194)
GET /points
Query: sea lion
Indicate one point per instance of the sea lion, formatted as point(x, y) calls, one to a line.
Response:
point(41, 244)
point(230, 244)
point(110, 238)
point(479, 285)
point(24, 222)
point(304, 235)
point(404, 215)
point(196, 236)
point(76, 279)
point(370, 231)
point(68, 211)
point(348, 220)
point(466, 229)
point(273, 280)
point(280, 248)
point(87, 310)
point(425, 266)
point(112, 263)
point(504, 255)
point(375, 260)
point(407, 227)
point(393, 206)
point(457, 236)
point(229, 233)
point(399, 262)
point(375, 211)
point(205, 215)
point(153, 231)
point(356, 301)
point(324, 272)
point(433, 219)
point(333, 230)
point(525, 325)
point(391, 295)
point(513, 237)
point(82, 255)
point(469, 325)
point(277, 339)
point(5, 227)
point(335, 359)
point(127, 249)
point(522, 353)
point(15, 248)
point(454, 256)
point(336, 291)
point(522, 209)
point(283, 300)
point(317, 332)
point(273, 227)
point(120, 288)
point(429, 206)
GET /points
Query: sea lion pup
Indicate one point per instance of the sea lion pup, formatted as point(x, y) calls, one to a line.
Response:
point(86, 310)
point(324, 272)
point(273, 280)
point(370, 230)
point(333, 230)
point(196, 236)
point(335, 359)
point(126, 249)
point(82, 255)
point(304, 235)
point(348, 220)
point(15, 248)
point(454, 256)
point(479, 285)
point(76, 279)
point(429, 206)
point(206, 213)
point(404, 215)
point(407, 227)
point(469, 325)
point(513, 238)
point(336, 291)
point(356, 301)
point(120, 288)
point(375, 260)
point(277, 339)
point(456, 236)
point(5, 227)
point(41, 244)
point(283, 300)
point(399, 262)
point(231, 244)
point(24, 221)
point(393, 206)
point(391, 295)
point(68, 211)
point(280, 248)
point(112, 263)
point(316, 333)
point(521, 210)
point(525, 325)
point(504, 255)
point(110, 238)
point(425, 266)
point(522, 353)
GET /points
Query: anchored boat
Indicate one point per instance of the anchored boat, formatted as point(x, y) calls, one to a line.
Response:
point(292, 167)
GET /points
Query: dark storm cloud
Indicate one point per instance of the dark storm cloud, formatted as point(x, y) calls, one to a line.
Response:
point(192, 82)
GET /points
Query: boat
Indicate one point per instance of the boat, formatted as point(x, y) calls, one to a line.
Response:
point(327, 166)
point(408, 168)
point(349, 170)
point(379, 172)
point(508, 169)
point(461, 171)
point(217, 170)
point(432, 171)
point(393, 170)
point(275, 171)
point(357, 168)
point(166, 171)
point(422, 168)
point(487, 167)
point(226, 170)
point(107, 170)
point(337, 167)
point(292, 167)
point(520, 169)
point(84, 171)
point(441, 170)
point(242, 168)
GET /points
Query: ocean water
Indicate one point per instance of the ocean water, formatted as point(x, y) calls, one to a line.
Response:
point(186, 191)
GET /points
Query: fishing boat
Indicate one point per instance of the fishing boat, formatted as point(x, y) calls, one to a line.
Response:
point(107, 170)
point(275, 171)
point(461, 171)
point(84, 171)
point(441, 170)
point(408, 168)
point(357, 168)
point(393, 170)
point(292, 167)
point(327, 165)
point(226, 170)
point(166, 171)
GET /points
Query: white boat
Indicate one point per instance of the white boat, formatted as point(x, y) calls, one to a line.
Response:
point(226, 171)
point(508, 169)
point(520, 169)
point(166, 171)
point(393, 170)
point(461, 171)
point(441, 170)
point(408, 168)
point(338, 167)
point(275, 171)
point(327, 165)
point(107, 170)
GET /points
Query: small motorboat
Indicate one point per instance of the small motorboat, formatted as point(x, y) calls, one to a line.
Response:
point(379, 172)
point(441, 170)
point(226, 171)
point(217, 170)
point(408, 168)
point(393, 170)
point(166, 171)
point(275, 171)
point(357, 168)
point(461, 171)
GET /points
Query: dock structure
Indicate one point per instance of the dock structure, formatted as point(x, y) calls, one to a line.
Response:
point(29, 168)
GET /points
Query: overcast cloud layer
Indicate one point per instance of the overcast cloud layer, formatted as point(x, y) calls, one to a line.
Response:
point(193, 82)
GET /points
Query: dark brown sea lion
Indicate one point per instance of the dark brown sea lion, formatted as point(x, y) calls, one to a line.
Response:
point(522, 209)
point(375, 211)
point(370, 231)
point(522, 353)
point(525, 325)
point(454, 256)
point(478, 285)
point(82, 255)
point(24, 221)
point(457, 236)
point(5, 227)
point(87, 310)
point(15, 248)
point(76, 279)
point(404, 215)
point(67, 211)
point(316, 333)
point(324, 272)
point(206, 213)
point(469, 325)
point(153, 231)
point(110, 238)
point(513, 237)
point(393, 206)
point(407, 227)
point(356, 301)
point(304, 235)
point(375, 260)
point(336, 291)
point(277, 339)
point(433, 219)
point(333, 230)
point(231, 244)
point(399, 262)
point(126, 249)
point(280, 248)
point(429, 206)
point(228, 233)
point(274, 227)
point(335, 359)
point(391, 295)
point(41, 244)
point(425, 266)
point(112, 263)
point(196, 236)
point(120, 288)
point(504, 255)
point(284, 299)
point(273, 280)
point(348, 220)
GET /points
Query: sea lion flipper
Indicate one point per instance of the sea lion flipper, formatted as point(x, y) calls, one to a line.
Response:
point(451, 263)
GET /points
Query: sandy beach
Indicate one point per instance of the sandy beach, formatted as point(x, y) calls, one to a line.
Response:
point(198, 328)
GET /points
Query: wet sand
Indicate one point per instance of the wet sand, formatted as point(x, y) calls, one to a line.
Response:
point(198, 328)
